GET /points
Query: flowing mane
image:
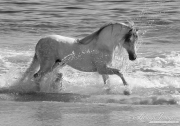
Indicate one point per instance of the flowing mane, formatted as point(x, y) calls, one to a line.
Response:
point(94, 35)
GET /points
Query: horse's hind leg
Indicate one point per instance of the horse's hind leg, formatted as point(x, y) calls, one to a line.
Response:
point(57, 82)
point(45, 67)
point(32, 68)
point(59, 75)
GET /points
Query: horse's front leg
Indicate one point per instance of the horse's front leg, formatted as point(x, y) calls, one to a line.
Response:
point(59, 76)
point(106, 82)
point(110, 71)
point(105, 79)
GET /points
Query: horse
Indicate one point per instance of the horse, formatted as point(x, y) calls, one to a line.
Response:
point(90, 54)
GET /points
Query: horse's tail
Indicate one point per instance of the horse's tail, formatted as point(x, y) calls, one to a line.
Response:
point(32, 68)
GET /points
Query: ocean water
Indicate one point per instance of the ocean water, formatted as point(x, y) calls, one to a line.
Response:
point(155, 72)
point(154, 78)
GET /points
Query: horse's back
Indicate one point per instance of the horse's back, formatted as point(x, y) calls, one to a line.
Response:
point(59, 38)
point(54, 46)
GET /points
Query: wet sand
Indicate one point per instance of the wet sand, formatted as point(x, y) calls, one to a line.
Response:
point(86, 114)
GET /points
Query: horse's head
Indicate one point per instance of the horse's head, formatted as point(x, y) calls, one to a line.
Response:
point(130, 39)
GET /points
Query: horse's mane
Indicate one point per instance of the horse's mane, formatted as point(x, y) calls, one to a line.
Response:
point(94, 35)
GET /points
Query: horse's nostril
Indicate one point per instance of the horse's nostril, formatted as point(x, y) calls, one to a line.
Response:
point(132, 57)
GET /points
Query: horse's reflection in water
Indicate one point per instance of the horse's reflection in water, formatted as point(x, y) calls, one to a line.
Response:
point(90, 54)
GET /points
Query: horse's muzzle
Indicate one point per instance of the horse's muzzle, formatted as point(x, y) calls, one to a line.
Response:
point(132, 56)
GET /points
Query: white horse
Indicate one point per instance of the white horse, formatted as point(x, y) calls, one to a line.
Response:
point(90, 54)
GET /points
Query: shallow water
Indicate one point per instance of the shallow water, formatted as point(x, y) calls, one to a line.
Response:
point(63, 114)
point(78, 114)
point(153, 77)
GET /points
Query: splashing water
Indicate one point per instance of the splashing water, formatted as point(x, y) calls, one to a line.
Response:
point(154, 73)
point(147, 76)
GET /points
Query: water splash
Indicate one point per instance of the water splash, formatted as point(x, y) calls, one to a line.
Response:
point(145, 78)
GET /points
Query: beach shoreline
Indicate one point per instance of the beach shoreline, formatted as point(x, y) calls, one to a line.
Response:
point(91, 114)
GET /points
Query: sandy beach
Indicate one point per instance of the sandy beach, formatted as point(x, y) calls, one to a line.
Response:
point(85, 114)
point(68, 109)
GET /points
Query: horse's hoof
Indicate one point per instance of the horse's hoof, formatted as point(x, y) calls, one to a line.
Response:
point(126, 92)
point(107, 89)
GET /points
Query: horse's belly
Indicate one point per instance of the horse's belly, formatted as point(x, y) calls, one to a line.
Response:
point(83, 64)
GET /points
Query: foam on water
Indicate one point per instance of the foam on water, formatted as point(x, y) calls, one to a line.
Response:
point(148, 76)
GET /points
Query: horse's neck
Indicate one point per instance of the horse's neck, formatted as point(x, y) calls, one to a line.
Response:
point(107, 40)
point(113, 38)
